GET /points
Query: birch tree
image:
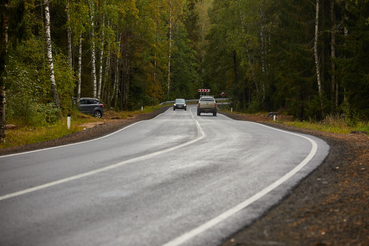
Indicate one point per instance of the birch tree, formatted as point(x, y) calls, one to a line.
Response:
point(69, 33)
point(334, 86)
point(102, 13)
point(3, 57)
point(50, 55)
point(317, 65)
point(78, 20)
point(262, 62)
point(93, 46)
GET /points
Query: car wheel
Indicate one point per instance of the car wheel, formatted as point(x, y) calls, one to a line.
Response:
point(97, 114)
point(198, 113)
point(185, 109)
point(215, 114)
point(174, 109)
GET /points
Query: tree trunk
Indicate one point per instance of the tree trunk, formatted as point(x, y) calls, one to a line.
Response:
point(235, 67)
point(93, 51)
point(101, 56)
point(262, 51)
point(334, 100)
point(107, 77)
point(317, 65)
point(248, 56)
point(79, 67)
point(3, 58)
point(50, 55)
point(69, 31)
point(117, 72)
point(170, 45)
point(125, 71)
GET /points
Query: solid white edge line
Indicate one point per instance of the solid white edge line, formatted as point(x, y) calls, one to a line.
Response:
point(87, 141)
point(199, 136)
point(211, 223)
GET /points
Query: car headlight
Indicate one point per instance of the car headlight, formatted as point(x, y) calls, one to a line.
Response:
point(174, 105)
point(185, 105)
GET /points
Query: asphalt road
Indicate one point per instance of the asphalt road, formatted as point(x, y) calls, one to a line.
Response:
point(178, 179)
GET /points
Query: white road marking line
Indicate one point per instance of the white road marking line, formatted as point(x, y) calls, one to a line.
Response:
point(87, 141)
point(211, 223)
point(199, 136)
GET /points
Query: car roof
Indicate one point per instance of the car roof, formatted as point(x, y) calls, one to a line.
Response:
point(92, 98)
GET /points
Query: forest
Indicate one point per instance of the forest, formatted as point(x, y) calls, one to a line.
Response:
point(306, 58)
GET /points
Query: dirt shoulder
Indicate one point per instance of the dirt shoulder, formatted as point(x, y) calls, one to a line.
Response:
point(329, 207)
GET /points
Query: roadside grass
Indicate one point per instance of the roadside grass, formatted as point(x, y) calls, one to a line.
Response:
point(334, 124)
point(34, 134)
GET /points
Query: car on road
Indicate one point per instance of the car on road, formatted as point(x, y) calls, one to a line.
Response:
point(92, 106)
point(207, 104)
point(180, 103)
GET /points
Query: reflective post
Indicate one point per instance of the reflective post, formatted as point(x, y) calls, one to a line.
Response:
point(68, 121)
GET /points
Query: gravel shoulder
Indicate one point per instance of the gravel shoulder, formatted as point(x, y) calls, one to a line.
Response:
point(329, 207)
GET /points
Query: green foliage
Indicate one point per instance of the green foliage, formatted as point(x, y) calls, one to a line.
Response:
point(184, 74)
point(254, 107)
point(351, 116)
point(29, 98)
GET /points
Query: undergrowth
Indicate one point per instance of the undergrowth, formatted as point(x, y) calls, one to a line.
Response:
point(29, 134)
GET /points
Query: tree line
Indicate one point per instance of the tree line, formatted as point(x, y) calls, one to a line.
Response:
point(127, 53)
point(304, 57)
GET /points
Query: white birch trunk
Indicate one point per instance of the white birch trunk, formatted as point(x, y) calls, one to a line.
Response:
point(4, 48)
point(116, 78)
point(79, 67)
point(107, 76)
point(317, 65)
point(101, 57)
point(333, 56)
point(170, 44)
point(93, 51)
point(262, 50)
point(69, 31)
point(50, 55)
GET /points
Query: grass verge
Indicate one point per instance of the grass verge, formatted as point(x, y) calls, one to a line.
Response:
point(30, 134)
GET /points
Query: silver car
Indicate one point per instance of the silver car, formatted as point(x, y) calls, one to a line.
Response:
point(207, 104)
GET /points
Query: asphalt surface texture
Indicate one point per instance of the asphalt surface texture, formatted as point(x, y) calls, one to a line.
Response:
point(329, 207)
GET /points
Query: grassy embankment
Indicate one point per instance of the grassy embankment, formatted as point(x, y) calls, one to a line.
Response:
point(334, 124)
point(30, 134)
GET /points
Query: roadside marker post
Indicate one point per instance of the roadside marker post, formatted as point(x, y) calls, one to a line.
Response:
point(68, 121)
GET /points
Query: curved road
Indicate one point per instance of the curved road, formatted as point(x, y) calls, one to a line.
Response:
point(178, 179)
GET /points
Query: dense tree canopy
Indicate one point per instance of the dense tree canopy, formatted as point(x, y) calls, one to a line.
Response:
point(305, 57)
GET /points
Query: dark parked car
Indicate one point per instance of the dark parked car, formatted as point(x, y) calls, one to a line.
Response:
point(207, 104)
point(91, 106)
point(180, 103)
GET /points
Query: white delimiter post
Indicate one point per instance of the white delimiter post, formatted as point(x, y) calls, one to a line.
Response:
point(68, 121)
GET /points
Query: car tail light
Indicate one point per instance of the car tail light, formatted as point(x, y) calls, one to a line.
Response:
point(102, 105)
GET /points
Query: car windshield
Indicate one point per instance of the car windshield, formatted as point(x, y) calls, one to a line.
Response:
point(207, 99)
point(180, 101)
